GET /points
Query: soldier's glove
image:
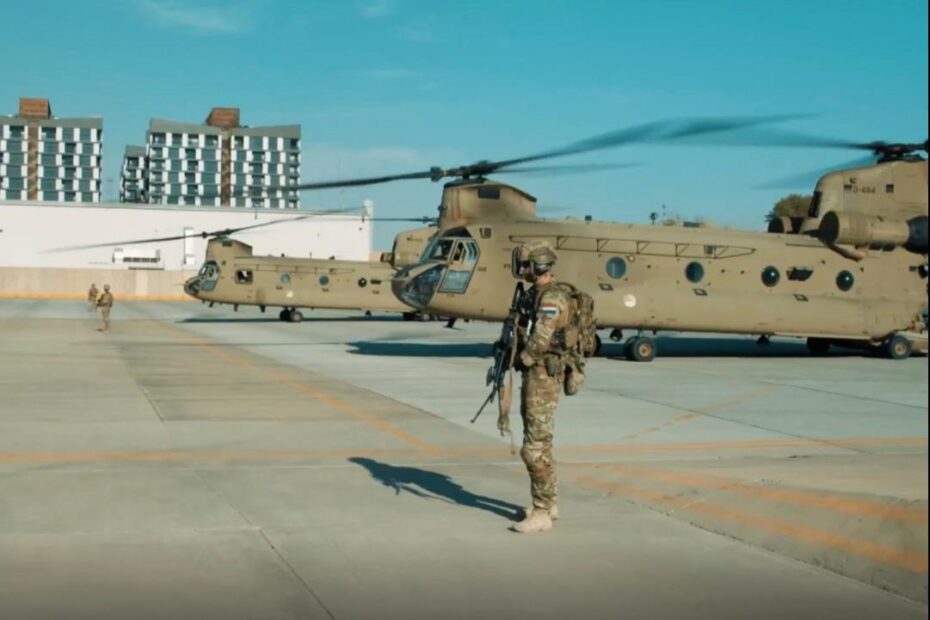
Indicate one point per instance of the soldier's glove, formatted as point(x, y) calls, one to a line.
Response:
point(523, 362)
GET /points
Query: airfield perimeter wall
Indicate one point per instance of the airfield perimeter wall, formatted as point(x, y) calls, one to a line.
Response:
point(59, 283)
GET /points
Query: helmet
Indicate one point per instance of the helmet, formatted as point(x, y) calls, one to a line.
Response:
point(538, 254)
point(106, 287)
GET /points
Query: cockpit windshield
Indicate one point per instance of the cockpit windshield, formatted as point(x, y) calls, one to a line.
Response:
point(439, 249)
point(210, 270)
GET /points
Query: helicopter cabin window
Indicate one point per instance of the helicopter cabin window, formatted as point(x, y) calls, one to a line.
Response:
point(362, 282)
point(694, 272)
point(845, 281)
point(616, 267)
point(243, 276)
point(889, 188)
point(285, 278)
point(489, 193)
point(324, 280)
point(770, 276)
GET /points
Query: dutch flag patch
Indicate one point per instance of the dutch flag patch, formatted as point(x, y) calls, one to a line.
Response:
point(549, 310)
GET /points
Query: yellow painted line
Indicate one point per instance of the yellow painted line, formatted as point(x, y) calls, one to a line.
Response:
point(731, 402)
point(319, 395)
point(858, 507)
point(187, 456)
point(273, 455)
point(905, 559)
point(83, 297)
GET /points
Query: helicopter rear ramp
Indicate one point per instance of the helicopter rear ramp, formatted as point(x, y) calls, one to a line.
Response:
point(200, 463)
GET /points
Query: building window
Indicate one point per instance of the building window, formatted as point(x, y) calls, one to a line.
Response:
point(16, 131)
point(48, 133)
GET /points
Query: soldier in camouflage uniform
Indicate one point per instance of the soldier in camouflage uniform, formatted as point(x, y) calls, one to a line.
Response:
point(105, 303)
point(542, 364)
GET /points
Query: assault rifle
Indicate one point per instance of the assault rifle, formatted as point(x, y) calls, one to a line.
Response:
point(505, 352)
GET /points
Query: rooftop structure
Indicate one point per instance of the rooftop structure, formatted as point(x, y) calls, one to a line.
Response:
point(47, 158)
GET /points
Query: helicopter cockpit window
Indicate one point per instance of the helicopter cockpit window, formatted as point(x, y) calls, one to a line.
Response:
point(209, 270)
point(464, 259)
point(243, 276)
point(439, 249)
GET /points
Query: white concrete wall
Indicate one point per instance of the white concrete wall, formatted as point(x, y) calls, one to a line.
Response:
point(29, 231)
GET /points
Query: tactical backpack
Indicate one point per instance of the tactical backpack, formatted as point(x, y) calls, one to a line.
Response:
point(581, 330)
point(580, 338)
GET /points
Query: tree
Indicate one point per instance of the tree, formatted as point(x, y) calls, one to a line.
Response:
point(792, 205)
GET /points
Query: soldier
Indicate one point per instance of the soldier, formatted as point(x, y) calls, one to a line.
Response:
point(542, 363)
point(105, 303)
point(92, 297)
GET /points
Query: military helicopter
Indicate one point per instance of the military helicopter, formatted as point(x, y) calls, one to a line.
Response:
point(232, 274)
point(852, 273)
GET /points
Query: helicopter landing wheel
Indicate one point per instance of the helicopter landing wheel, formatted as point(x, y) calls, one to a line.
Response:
point(897, 348)
point(294, 316)
point(818, 346)
point(284, 315)
point(641, 349)
point(409, 316)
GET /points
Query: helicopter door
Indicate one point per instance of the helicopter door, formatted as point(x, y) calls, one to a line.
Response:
point(462, 262)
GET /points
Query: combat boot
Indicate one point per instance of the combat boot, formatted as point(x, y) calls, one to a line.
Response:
point(553, 511)
point(538, 521)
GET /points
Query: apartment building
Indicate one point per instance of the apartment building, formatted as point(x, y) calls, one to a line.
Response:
point(50, 159)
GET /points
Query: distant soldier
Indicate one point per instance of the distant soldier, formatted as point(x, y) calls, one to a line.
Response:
point(92, 297)
point(542, 361)
point(105, 303)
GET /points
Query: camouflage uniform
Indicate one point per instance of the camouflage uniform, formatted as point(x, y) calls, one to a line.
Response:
point(92, 297)
point(542, 387)
point(105, 303)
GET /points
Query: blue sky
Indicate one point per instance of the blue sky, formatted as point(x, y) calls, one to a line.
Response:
point(384, 86)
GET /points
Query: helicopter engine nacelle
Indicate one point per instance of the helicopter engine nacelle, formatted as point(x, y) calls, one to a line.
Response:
point(874, 231)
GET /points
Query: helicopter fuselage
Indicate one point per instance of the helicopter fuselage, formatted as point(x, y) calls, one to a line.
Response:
point(675, 278)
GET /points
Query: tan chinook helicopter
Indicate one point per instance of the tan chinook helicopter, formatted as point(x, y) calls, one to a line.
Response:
point(231, 274)
point(851, 273)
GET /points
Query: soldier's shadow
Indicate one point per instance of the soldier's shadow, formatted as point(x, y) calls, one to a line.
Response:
point(433, 485)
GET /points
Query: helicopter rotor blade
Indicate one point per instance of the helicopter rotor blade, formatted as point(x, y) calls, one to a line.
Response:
point(566, 169)
point(658, 131)
point(367, 181)
point(203, 234)
point(809, 179)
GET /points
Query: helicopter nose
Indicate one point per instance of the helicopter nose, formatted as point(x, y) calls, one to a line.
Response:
point(416, 285)
point(192, 286)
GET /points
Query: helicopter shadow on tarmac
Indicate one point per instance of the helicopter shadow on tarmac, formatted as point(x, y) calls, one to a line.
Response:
point(709, 346)
point(419, 349)
point(433, 485)
point(307, 319)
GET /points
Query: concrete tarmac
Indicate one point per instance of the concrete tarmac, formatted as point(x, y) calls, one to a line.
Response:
point(200, 463)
